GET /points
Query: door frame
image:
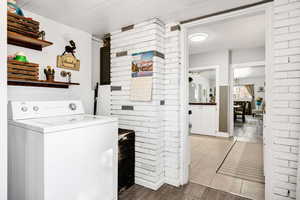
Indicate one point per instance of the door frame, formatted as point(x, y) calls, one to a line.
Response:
point(3, 101)
point(185, 151)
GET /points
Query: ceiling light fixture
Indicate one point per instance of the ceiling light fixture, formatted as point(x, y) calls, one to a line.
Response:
point(198, 37)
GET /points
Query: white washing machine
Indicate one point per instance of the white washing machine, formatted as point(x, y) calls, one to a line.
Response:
point(58, 152)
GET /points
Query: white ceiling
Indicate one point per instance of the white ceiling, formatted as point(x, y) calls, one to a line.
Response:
point(237, 33)
point(251, 72)
point(103, 16)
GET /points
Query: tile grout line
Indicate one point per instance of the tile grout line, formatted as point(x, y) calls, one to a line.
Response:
point(226, 156)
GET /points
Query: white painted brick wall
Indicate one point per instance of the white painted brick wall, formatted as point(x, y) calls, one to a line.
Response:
point(147, 117)
point(158, 126)
point(285, 96)
point(172, 106)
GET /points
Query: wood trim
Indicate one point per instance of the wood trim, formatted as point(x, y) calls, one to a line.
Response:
point(127, 28)
point(175, 28)
point(115, 88)
point(226, 11)
point(121, 53)
point(127, 108)
point(27, 42)
point(39, 83)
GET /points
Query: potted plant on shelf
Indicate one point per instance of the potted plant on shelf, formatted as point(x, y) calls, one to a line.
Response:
point(49, 72)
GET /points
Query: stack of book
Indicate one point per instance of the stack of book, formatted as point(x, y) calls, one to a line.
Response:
point(22, 25)
point(22, 71)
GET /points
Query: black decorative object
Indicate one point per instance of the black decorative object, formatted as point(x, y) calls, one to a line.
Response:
point(96, 98)
point(70, 49)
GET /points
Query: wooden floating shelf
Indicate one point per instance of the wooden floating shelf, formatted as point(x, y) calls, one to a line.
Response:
point(40, 83)
point(27, 42)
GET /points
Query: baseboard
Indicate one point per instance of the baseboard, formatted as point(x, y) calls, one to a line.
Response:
point(172, 182)
point(222, 134)
point(147, 184)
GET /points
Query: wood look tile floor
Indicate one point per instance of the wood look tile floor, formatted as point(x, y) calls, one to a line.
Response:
point(190, 191)
point(207, 155)
point(250, 131)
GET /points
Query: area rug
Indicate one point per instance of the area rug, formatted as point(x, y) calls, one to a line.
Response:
point(244, 161)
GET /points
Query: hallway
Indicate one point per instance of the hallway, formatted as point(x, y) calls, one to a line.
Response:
point(208, 155)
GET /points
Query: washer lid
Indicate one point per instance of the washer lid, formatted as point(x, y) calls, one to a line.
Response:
point(60, 123)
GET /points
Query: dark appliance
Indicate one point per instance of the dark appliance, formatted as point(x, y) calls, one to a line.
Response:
point(126, 159)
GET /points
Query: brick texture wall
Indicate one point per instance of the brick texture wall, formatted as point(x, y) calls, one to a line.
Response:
point(172, 135)
point(146, 118)
point(285, 110)
point(157, 123)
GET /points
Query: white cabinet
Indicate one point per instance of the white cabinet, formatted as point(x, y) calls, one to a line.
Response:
point(204, 119)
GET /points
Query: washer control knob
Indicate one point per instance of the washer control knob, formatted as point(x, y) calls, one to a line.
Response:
point(24, 108)
point(35, 108)
point(72, 106)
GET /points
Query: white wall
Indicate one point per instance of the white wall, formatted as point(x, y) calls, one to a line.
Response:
point(96, 45)
point(220, 58)
point(60, 35)
point(226, 57)
point(285, 98)
point(247, 55)
point(3, 102)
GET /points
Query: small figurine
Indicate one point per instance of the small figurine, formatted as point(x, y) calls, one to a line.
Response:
point(20, 56)
point(66, 74)
point(49, 72)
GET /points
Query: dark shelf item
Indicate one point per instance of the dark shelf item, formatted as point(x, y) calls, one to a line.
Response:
point(205, 104)
point(126, 160)
point(40, 83)
point(105, 62)
point(25, 41)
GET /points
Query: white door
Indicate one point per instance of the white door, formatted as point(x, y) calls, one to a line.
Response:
point(203, 120)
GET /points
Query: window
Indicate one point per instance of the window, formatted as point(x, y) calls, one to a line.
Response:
point(241, 93)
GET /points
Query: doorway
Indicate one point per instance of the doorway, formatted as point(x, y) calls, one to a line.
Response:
point(214, 153)
point(248, 101)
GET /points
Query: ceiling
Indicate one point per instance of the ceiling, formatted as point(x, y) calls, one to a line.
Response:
point(249, 72)
point(238, 33)
point(103, 16)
